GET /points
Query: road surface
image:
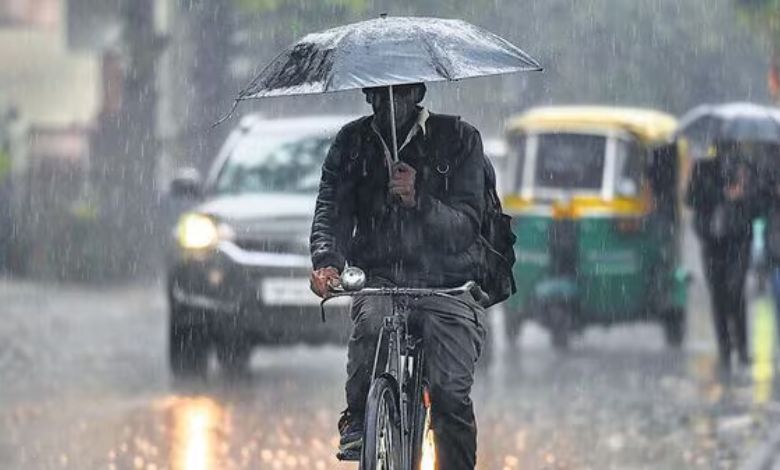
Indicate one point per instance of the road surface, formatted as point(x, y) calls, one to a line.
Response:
point(84, 384)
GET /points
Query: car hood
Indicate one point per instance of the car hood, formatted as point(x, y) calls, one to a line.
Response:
point(258, 215)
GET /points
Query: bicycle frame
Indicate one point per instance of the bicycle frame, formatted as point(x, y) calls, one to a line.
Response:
point(403, 364)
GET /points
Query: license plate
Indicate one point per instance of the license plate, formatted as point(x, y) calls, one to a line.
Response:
point(292, 292)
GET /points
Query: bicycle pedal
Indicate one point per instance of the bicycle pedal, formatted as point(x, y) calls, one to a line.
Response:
point(352, 455)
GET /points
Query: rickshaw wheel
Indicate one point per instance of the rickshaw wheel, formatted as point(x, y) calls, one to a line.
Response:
point(673, 324)
point(559, 326)
point(560, 339)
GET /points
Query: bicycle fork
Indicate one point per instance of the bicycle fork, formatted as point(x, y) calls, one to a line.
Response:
point(396, 365)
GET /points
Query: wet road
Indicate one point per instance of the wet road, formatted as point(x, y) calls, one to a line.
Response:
point(84, 384)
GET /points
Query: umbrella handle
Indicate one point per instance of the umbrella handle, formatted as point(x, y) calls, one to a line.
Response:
point(392, 124)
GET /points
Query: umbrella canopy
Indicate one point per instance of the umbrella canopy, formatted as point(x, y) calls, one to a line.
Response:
point(735, 122)
point(387, 51)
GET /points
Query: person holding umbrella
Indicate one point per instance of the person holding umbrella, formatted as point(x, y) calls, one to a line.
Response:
point(727, 193)
point(723, 193)
point(416, 223)
point(402, 196)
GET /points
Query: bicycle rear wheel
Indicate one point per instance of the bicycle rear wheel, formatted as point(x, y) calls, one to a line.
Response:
point(382, 441)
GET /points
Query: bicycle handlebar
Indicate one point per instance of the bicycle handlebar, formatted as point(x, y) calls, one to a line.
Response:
point(468, 287)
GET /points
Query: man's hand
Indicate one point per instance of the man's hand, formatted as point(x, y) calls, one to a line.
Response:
point(323, 279)
point(402, 184)
point(736, 189)
point(734, 192)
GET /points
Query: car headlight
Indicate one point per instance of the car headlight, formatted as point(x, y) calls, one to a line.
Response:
point(199, 232)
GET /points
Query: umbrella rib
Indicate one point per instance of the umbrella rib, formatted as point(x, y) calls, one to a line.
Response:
point(437, 63)
point(246, 93)
point(336, 55)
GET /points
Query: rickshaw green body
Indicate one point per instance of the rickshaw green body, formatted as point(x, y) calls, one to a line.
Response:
point(622, 259)
point(619, 277)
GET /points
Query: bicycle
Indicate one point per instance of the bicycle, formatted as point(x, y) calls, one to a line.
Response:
point(397, 414)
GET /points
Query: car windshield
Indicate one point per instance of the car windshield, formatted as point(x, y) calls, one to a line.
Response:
point(262, 163)
point(570, 161)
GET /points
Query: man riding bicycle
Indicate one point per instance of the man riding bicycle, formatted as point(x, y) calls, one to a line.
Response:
point(411, 223)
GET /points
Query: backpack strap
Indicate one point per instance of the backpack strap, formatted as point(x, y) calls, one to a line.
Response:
point(490, 184)
point(440, 145)
point(447, 125)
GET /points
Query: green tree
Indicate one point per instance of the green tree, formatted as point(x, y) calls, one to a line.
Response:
point(275, 5)
point(765, 14)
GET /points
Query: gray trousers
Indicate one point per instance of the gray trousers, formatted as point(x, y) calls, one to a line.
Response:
point(453, 334)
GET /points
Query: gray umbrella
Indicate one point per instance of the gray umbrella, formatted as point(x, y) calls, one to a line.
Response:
point(384, 52)
point(387, 51)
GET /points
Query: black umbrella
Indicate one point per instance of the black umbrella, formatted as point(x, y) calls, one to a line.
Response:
point(387, 51)
point(732, 122)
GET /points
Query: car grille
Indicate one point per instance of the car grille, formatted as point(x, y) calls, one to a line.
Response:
point(289, 246)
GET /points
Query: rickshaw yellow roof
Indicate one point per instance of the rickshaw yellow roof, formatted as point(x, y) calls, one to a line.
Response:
point(648, 124)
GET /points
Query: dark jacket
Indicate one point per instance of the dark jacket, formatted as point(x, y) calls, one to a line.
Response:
point(705, 195)
point(433, 244)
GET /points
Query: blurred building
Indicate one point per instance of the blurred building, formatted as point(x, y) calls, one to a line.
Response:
point(49, 99)
point(64, 68)
point(44, 14)
point(49, 85)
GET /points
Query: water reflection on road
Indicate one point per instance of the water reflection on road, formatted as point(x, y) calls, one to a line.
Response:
point(199, 431)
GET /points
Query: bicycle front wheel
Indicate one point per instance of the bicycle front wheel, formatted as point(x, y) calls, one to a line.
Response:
point(382, 441)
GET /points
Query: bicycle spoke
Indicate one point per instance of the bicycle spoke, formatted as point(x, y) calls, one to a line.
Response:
point(383, 429)
point(382, 454)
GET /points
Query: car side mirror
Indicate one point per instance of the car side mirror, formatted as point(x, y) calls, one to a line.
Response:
point(187, 183)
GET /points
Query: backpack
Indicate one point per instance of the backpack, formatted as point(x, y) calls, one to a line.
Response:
point(498, 243)
point(496, 238)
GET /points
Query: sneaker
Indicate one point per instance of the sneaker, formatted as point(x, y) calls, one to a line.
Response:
point(351, 430)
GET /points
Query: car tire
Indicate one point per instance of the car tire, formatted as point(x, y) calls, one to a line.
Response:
point(188, 346)
point(233, 355)
point(560, 340)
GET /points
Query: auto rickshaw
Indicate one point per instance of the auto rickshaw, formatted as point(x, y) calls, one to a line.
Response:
point(594, 193)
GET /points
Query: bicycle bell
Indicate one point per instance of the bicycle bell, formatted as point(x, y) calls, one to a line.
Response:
point(353, 278)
